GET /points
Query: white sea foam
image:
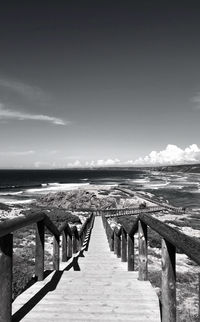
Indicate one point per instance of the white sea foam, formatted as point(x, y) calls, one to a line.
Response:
point(156, 185)
point(140, 180)
point(11, 193)
point(174, 186)
point(55, 187)
point(15, 202)
point(12, 201)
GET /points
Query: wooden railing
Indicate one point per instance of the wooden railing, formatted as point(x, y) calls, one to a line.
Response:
point(72, 242)
point(130, 211)
point(121, 242)
point(113, 212)
point(178, 210)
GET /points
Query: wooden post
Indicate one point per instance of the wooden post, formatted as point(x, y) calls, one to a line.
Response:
point(81, 239)
point(74, 244)
point(124, 246)
point(131, 262)
point(115, 243)
point(142, 247)
point(168, 282)
point(64, 246)
point(56, 253)
point(118, 246)
point(69, 246)
point(39, 252)
point(111, 242)
point(6, 250)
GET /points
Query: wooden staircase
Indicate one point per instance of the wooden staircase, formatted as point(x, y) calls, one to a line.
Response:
point(99, 289)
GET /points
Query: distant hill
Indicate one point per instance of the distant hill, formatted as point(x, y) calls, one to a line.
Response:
point(191, 168)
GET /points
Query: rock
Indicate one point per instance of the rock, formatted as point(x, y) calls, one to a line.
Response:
point(78, 199)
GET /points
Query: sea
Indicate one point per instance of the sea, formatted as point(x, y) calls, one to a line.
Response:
point(20, 187)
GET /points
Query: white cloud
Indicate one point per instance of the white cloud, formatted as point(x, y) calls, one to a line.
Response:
point(22, 95)
point(196, 99)
point(75, 164)
point(8, 114)
point(27, 91)
point(94, 164)
point(17, 153)
point(171, 155)
point(108, 162)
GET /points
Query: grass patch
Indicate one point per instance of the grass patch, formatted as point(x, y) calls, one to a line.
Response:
point(24, 249)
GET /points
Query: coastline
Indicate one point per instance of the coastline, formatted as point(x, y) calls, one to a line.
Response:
point(95, 197)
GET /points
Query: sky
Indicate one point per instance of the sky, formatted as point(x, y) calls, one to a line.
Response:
point(99, 83)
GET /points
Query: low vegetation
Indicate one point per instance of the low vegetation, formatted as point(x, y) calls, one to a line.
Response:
point(24, 249)
point(187, 270)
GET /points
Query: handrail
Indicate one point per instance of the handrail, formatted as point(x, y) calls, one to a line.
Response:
point(131, 211)
point(121, 241)
point(9, 226)
point(188, 245)
point(72, 242)
point(167, 206)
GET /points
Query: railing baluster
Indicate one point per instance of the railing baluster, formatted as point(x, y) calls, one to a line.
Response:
point(69, 246)
point(131, 262)
point(142, 247)
point(6, 250)
point(39, 252)
point(124, 246)
point(168, 282)
point(111, 238)
point(56, 253)
point(74, 243)
point(115, 242)
point(118, 246)
point(64, 245)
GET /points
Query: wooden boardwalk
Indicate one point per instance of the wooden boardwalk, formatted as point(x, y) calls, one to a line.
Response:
point(102, 290)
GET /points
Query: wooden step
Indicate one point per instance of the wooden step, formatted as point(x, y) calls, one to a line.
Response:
point(102, 290)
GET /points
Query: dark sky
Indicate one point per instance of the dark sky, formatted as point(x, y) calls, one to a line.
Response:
point(101, 81)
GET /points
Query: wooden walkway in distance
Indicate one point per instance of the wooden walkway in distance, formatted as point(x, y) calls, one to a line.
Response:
point(102, 290)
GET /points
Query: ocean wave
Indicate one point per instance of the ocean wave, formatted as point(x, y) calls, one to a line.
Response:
point(156, 185)
point(11, 193)
point(174, 186)
point(55, 187)
point(140, 180)
point(13, 201)
point(17, 187)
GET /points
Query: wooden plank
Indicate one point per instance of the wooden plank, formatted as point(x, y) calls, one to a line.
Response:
point(69, 246)
point(64, 246)
point(39, 251)
point(101, 291)
point(75, 244)
point(188, 245)
point(131, 250)
point(79, 316)
point(56, 253)
point(6, 250)
point(142, 248)
point(9, 226)
point(168, 282)
point(124, 246)
point(118, 245)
